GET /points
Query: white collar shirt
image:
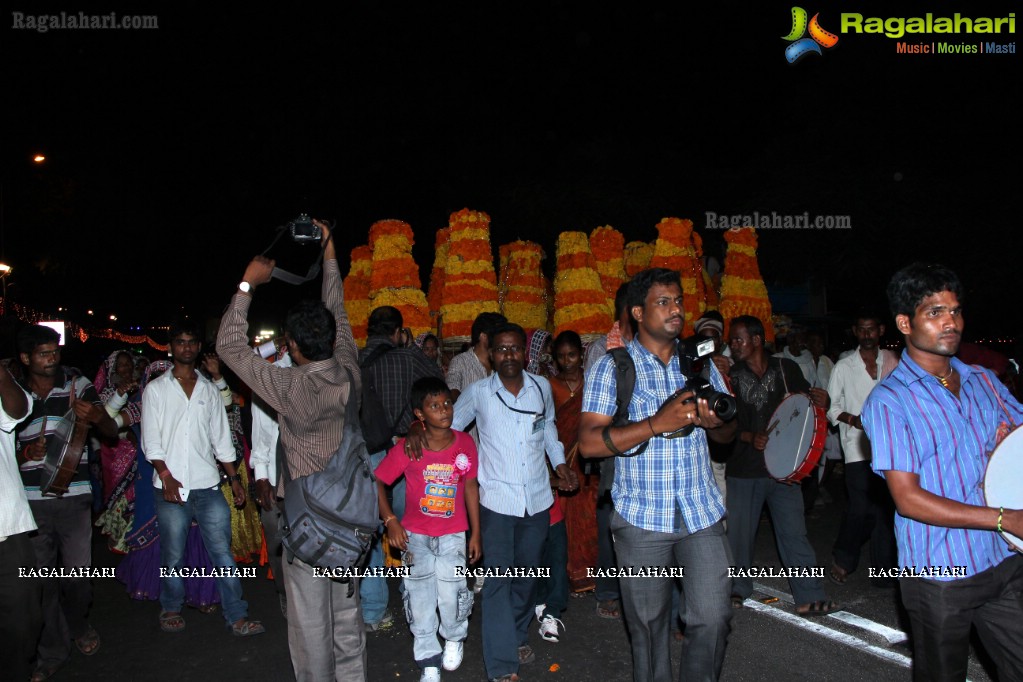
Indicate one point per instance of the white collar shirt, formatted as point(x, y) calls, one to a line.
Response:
point(849, 386)
point(15, 514)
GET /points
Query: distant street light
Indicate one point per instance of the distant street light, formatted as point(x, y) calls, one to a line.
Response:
point(5, 270)
point(39, 158)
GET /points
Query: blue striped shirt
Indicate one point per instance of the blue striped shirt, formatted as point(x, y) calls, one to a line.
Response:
point(671, 475)
point(512, 476)
point(916, 425)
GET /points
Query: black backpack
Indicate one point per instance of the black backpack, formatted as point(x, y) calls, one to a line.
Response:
point(329, 518)
point(377, 429)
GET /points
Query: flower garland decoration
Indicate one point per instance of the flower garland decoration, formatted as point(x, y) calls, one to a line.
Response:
point(674, 250)
point(394, 280)
point(608, 247)
point(525, 298)
point(743, 291)
point(580, 303)
point(356, 286)
point(503, 252)
point(637, 257)
point(440, 258)
point(470, 286)
point(704, 285)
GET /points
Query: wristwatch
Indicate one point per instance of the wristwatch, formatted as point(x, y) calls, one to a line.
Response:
point(245, 287)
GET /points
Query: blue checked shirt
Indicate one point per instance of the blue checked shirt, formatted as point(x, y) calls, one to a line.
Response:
point(512, 474)
point(915, 424)
point(671, 475)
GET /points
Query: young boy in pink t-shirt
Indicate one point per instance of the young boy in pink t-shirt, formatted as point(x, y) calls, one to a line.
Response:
point(442, 500)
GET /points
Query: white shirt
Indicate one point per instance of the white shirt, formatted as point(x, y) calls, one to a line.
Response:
point(15, 514)
point(185, 433)
point(849, 387)
point(265, 430)
point(806, 365)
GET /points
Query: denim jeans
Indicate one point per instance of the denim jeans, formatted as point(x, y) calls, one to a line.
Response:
point(209, 508)
point(373, 590)
point(433, 585)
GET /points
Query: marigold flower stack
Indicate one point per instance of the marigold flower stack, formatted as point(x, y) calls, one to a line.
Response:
point(470, 287)
point(356, 286)
point(394, 280)
point(674, 250)
point(608, 247)
point(440, 258)
point(637, 257)
point(580, 303)
point(743, 291)
point(525, 297)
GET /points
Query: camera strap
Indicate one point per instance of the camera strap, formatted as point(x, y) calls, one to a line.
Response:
point(314, 269)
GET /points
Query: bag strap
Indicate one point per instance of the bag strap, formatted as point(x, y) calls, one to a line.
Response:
point(998, 396)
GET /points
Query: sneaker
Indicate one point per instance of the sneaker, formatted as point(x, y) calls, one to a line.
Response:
point(477, 586)
point(384, 623)
point(452, 655)
point(539, 609)
point(549, 628)
point(430, 674)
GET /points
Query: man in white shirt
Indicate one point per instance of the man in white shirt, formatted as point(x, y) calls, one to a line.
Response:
point(21, 616)
point(871, 511)
point(184, 425)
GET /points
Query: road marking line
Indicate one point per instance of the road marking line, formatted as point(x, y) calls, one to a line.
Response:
point(891, 635)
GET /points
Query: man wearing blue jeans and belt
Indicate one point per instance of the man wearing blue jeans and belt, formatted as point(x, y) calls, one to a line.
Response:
point(184, 425)
point(668, 510)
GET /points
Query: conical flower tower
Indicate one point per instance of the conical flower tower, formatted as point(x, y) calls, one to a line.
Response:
point(743, 291)
point(525, 299)
point(709, 294)
point(579, 300)
point(674, 250)
point(440, 259)
point(470, 286)
point(357, 292)
point(637, 257)
point(394, 280)
point(502, 273)
point(608, 248)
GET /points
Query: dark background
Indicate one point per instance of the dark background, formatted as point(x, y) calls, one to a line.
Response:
point(173, 153)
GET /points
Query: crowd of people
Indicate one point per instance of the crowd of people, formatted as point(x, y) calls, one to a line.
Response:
point(555, 465)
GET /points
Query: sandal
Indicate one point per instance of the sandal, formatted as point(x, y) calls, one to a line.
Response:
point(526, 654)
point(171, 621)
point(838, 575)
point(609, 609)
point(510, 677)
point(737, 601)
point(88, 643)
point(818, 609)
point(45, 672)
point(247, 628)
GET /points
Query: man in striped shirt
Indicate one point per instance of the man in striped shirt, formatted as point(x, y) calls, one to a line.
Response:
point(932, 424)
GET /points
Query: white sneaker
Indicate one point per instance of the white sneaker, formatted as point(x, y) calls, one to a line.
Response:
point(539, 611)
point(431, 674)
point(549, 628)
point(452, 655)
point(477, 586)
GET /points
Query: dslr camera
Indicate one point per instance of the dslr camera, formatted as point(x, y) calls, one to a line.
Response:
point(693, 355)
point(303, 231)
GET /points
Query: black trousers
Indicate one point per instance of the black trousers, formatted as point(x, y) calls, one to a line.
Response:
point(21, 607)
point(942, 612)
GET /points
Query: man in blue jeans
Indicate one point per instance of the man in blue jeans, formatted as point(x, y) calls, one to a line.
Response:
point(184, 426)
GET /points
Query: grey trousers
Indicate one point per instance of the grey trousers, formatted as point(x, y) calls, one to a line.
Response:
point(325, 631)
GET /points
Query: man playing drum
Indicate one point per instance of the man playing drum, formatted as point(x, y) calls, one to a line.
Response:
point(932, 424)
point(760, 383)
point(64, 539)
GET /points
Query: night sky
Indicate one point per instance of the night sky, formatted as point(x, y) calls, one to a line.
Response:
point(173, 153)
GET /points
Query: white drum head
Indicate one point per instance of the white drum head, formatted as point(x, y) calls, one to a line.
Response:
point(1003, 480)
point(789, 441)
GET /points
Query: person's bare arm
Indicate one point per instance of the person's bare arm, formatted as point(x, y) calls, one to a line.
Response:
point(913, 502)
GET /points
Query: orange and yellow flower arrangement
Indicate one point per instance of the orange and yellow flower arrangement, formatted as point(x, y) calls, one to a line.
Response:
point(525, 297)
point(470, 286)
point(637, 257)
point(674, 250)
point(394, 280)
point(743, 291)
point(608, 248)
point(440, 259)
point(580, 303)
point(356, 286)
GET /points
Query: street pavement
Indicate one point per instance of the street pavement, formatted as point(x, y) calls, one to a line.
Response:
point(768, 642)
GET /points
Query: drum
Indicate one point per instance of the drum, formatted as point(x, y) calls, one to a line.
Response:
point(1002, 486)
point(796, 439)
point(63, 454)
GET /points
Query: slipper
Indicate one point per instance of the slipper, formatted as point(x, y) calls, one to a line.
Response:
point(247, 628)
point(171, 622)
point(737, 601)
point(818, 609)
point(609, 609)
point(526, 654)
point(838, 575)
point(88, 643)
point(44, 672)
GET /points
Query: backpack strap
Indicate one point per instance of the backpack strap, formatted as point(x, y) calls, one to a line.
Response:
point(625, 386)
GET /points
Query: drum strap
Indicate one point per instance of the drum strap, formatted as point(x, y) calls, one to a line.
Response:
point(1005, 427)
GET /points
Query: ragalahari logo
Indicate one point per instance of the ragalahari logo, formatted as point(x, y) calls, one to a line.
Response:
point(801, 46)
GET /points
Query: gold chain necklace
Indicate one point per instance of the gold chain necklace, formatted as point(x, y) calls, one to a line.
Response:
point(944, 380)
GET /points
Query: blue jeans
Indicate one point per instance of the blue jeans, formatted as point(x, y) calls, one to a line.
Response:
point(434, 584)
point(509, 541)
point(553, 591)
point(210, 510)
point(373, 590)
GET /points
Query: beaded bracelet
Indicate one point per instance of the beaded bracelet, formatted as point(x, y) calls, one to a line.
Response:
point(1001, 510)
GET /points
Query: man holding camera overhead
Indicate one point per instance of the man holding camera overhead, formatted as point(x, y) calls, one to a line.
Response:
point(668, 510)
